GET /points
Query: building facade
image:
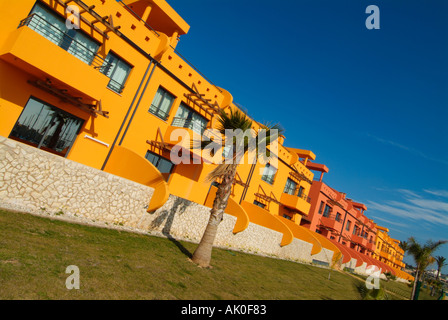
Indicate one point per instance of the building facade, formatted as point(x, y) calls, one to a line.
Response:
point(388, 250)
point(344, 222)
point(100, 82)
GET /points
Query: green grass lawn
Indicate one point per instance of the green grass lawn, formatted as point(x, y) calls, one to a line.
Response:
point(35, 252)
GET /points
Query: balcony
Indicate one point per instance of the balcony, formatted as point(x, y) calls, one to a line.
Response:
point(371, 246)
point(331, 222)
point(295, 202)
point(386, 255)
point(46, 52)
point(359, 240)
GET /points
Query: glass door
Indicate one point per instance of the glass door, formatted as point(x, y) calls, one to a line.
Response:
point(46, 127)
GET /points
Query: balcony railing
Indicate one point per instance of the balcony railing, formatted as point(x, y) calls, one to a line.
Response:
point(268, 178)
point(115, 86)
point(189, 124)
point(305, 197)
point(331, 221)
point(334, 217)
point(158, 112)
point(63, 40)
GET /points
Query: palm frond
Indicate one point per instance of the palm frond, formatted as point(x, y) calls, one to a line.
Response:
point(236, 133)
point(233, 121)
point(422, 254)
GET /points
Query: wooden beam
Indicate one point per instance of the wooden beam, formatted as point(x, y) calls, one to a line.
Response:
point(205, 104)
point(103, 20)
point(158, 144)
point(83, 19)
point(87, 10)
point(200, 106)
point(64, 96)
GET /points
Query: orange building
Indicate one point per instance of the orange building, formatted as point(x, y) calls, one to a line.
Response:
point(344, 222)
point(100, 82)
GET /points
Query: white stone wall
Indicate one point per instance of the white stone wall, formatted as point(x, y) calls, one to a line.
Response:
point(41, 183)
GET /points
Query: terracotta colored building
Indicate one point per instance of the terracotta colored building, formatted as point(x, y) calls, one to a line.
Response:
point(343, 221)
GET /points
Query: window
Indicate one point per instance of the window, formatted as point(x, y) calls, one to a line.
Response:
point(269, 173)
point(338, 217)
point(162, 103)
point(290, 187)
point(52, 27)
point(261, 205)
point(321, 207)
point(327, 211)
point(300, 194)
point(163, 165)
point(355, 230)
point(187, 118)
point(46, 127)
point(117, 70)
point(287, 217)
point(347, 227)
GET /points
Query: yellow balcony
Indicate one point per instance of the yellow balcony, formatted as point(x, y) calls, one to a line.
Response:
point(295, 202)
point(36, 55)
point(386, 255)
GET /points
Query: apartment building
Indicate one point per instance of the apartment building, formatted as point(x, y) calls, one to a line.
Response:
point(100, 82)
point(388, 250)
point(343, 221)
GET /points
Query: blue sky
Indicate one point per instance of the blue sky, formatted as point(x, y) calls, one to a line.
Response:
point(371, 104)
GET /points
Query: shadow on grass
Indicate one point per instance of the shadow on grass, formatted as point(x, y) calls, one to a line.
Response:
point(362, 290)
point(179, 207)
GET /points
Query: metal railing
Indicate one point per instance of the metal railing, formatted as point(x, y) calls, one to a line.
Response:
point(115, 86)
point(63, 40)
point(334, 217)
point(189, 124)
point(304, 197)
point(158, 112)
point(268, 178)
point(290, 190)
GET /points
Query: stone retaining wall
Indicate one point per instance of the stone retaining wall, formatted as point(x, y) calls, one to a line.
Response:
point(40, 183)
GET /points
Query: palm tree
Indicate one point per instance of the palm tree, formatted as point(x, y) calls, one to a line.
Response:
point(422, 257)
point(440, 264)
point(403, 245)
point(238, 122)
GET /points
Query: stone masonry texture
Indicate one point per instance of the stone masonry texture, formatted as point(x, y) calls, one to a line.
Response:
point(40, 183)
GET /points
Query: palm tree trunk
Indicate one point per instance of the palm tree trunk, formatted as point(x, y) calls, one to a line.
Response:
point(416, 280)
point(203, 253)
